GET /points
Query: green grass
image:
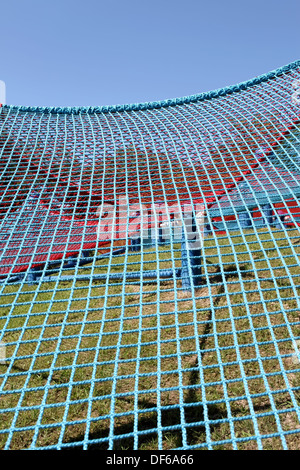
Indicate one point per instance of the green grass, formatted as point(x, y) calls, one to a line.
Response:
point(91, 351)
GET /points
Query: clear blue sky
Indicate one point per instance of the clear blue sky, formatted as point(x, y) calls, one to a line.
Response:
point(95, 52)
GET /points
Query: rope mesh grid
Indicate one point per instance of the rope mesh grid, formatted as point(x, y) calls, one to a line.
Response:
point(118, 331)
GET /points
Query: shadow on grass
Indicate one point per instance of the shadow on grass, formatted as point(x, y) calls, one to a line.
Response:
point(171, 428)
point(148, 428)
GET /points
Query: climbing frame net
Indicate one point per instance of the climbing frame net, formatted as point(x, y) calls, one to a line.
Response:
point(149, 272)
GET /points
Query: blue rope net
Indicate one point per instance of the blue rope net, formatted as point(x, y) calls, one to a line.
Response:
point(149, 272)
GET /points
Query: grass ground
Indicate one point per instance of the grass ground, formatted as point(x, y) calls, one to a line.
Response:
point(150, 366)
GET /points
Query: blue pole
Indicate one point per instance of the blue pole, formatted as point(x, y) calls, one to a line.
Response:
point(33, 275)
point(191, 261)
point(152, 274)
point(267, 215)
point(160, 236)
point(245, 220)
point(207, 230)
point(135, 244)
point(72, 261)
point(158, 230)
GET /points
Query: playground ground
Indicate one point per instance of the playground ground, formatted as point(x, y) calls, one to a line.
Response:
point(145, 370)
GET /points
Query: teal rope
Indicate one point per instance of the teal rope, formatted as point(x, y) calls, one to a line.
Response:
point(158, 104)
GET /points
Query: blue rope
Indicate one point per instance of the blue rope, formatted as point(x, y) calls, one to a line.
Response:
point(119, 329)
point(158, 104)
